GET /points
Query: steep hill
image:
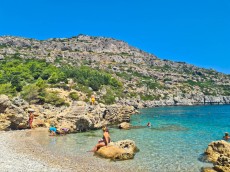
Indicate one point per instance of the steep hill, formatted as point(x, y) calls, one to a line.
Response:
point(146, 80)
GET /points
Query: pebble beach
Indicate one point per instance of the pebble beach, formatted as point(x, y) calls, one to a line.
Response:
point(21, 152)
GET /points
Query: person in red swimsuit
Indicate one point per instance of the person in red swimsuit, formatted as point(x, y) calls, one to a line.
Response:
point(31, 118)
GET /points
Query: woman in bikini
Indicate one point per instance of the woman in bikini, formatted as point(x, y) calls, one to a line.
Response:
point(104, 141)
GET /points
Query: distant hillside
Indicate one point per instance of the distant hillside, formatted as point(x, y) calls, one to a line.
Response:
point(133, 76)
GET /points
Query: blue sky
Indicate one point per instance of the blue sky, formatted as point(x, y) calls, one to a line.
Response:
point(192, 31)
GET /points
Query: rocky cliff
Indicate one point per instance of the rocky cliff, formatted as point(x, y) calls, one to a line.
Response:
point(146, 80)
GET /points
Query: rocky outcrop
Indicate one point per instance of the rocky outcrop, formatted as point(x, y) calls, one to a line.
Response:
point(160, 82)
point(77, 118)
point(4, 103)
point(222, 164)
point(218, 153)
point(124, 125)
point(85, 117)
point(179, 101)
point(121, 150)
point(12, 116)
point(217, 148)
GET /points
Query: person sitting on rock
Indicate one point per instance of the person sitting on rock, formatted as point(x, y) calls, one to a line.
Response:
point(226, 136)
point(104, 141)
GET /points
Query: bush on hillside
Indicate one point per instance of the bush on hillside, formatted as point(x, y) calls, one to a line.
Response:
point(74, 96)
point(54, 99)
point(7, 89)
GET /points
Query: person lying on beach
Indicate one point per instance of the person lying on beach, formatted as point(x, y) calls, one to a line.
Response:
point(226, 136)
point(104, 141)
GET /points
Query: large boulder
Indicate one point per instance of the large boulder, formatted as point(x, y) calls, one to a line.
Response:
point(12, 116)
point(218, 152)
point(207, 169)
point(124, 125)
point(215, 149)
point(121, 150)
point(4, 103)
point(222, 164)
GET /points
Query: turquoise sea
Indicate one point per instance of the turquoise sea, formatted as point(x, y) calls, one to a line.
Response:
point(175, 141)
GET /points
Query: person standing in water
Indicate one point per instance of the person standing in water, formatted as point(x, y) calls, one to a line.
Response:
point(148, 124)
point(226, 136)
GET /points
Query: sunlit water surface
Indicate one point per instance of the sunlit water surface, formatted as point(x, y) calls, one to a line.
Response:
point(175, 141)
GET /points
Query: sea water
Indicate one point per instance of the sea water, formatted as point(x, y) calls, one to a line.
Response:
point(174, 143)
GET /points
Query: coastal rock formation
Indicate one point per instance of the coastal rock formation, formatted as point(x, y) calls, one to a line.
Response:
point(4, 103)
point(77, 118)
point(222, 164)
point(86, 117)
point(218, 153)
point(124, 125)
point(217, 148)
point(180, 101)
point(207, 169)
point(121, 150)
point(148, 81)
point(144, 81)
point(12, 116)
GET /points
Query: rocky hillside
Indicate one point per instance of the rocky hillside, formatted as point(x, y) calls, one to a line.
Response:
point(147, 80)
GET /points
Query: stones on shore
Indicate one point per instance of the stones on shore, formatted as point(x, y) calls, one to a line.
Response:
point(218, 153)
point(121, 150)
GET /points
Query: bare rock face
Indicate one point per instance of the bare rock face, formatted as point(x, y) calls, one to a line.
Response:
point(222, 164)
point(218, 152)
point(4, 103)
point(217, 148)
point(124, 125)
point(12, 117)
point(121, 150)
point(207, 169)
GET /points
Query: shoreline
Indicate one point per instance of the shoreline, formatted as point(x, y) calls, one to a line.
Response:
point(21, 152)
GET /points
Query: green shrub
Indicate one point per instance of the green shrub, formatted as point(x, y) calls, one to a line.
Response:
point(54, 99)
point(149, 97)
point(31, 93)
point(7, 89)
point(109, 97)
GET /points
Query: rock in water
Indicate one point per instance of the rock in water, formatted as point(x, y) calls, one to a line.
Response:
point(218, 152)
point(124, 125)
point(121, 150)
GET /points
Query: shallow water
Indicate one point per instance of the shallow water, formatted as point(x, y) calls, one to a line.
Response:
point(174, 142)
